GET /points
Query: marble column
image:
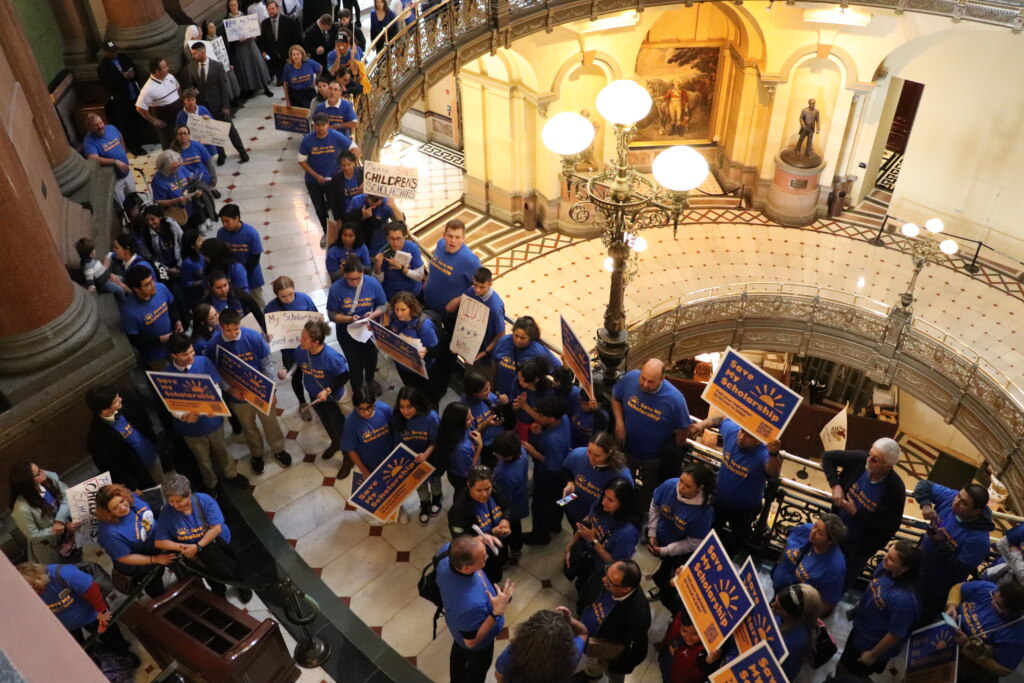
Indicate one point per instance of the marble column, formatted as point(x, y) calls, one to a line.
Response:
point(143, 29)
point(81, 46)
point(73, 172)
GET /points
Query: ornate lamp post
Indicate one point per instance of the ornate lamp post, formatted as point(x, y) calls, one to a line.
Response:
point(621, 200)
point(924, 251)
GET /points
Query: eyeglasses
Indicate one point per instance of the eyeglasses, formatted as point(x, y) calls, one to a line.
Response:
point(607, 581)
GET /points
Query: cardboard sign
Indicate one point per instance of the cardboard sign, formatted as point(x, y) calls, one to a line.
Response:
point(712, 592)
point(209, 131)
point(217, 50)
point(755, 666)
point(932, 654)
point(82, 502)
point(285, 327)
point(257, 389)
point(250, 321)
point(383, 491)
point(184, 393)
point(470, 328)
point(400, 351)
point(291, 119)
point(750, 397)
point(576, 358)
point(760, 625)
point(390, 181)
point(240, 28)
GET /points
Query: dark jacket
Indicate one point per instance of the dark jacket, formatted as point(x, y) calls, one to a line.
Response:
point(627, 623)
point(214, 92)
point(313, 10)
point(313, 38)
point(288, 33)
point(461, 517)
point(112, 453)
point(113, 79)
point(875, 529)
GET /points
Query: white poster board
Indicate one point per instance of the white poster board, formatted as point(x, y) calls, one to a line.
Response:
point(82, 502)
point(209, 131)
point(470, 328)
point(390, 181)
point(240, 28)
point(217, 50)
point(284, 327)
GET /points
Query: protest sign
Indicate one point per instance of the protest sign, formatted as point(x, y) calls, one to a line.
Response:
point(389, 181)
point(82, 503)
point(284, 327)
point(750, 397)
point(185, 393)
point(256, 388)
point(250, 321)
point(217, 50)
point(576, 358)
point(712, 592)
point(209, 131)
point(760, 625)
point(932, 654)
point(755, 666)
point(291, 119)
point(240, 28)
point(383, 491)
point(470, 328)
point(401, 351)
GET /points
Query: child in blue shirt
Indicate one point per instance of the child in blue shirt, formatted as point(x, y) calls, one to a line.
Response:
point(511, 474)
point(415, 426)
point(484, 405)
point(367, 437)
point(458, 447)
point(548, 445)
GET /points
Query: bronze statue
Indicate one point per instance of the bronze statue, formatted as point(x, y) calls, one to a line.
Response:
point(810, 123)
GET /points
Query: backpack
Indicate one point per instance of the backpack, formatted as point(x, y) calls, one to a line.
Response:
point(429, 590)
point(822, 649)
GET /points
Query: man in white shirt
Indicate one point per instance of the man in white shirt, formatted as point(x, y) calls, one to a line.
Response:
point(160, 100)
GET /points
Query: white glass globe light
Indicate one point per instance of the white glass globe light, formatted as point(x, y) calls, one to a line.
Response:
point(609, 264)
point(910, 230)
point(567, 133)
point(624, 102)
point(934, 225)
point(948, 247)
point(639, 244)
point(680, 168)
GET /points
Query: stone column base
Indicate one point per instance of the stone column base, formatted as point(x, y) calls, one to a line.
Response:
point(73, 177)
point(160, 38)
point(48, 345)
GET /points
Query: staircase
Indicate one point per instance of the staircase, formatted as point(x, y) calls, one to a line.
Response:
point(871, 212)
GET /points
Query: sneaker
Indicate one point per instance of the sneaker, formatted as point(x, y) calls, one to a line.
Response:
point(403, 516)
point(284, 458)
point(257, 464)
point(240, 479)
point(435, 506)
point(424, 513)
point(323, 242)
point(305, 413)
point(244, 595)
point(653, 594)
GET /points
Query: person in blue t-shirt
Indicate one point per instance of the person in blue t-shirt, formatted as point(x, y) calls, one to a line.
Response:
point(886, 614)
point(482, 506)
point(451, 270)
point(589, 469)
point(995, 615)
point(355, 299)
point(797, 609)
point(324, 375)
point(149, 316)
point(105, 144)
point(342, 54)
point(398, 265)
point(340, 111)
point(405, 318)
point(367, 437)
point(415, 426)
point(458, 447)
point(812, 555)
point(588, 419)
point(547, 446)
point(195, 158)
point(190, 99)
point(170, 184)
point(513, 351)
point(371, 213)
point(486, 409)
point(746, 465)
point(287, 299)
point(347, 244)
point(318, 157)
point(481, 290)
point(608, 533)
point(299, 78)
point(345, 185)
point(121, 439)
point(956, 541)
point(247, 246)
point(511, 475)
point(546, 647)
point(125, 532)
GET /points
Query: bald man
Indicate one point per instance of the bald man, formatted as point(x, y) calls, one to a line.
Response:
point(651, 419)
point(105, 144)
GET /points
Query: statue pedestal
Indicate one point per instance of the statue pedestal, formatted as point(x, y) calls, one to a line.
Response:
point(793, 194)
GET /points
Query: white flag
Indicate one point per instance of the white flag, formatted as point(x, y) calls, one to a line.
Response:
point(833, 434)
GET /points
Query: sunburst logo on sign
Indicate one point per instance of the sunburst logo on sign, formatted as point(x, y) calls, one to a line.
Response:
point(196, 387)
point(394, 471)
point(728, 595)
point(939, 642)
point(771, 397)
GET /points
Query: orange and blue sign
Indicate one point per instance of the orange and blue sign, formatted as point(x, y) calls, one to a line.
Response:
point(400, 351)
point(185, 393)
point(576, 358)
point(257, 389)
point(760, 625)
point(750, 397)
point(383, 491)
point(291, 119)
point(754, 666)
point(932, 654)
point(713, 592)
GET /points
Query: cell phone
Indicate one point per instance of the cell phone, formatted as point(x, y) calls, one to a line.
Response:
point(568, 499)
point(388, 253)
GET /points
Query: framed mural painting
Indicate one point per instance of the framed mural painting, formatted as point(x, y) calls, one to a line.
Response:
point(683, 82)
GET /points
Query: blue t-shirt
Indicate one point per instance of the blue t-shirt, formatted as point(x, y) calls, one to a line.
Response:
point(970, 544)
point(1015, 536)
point(797, 640)
point(825, 572)
point(142, 446)
point(885, 607)
point(244, 243)
point(866, 496)
point(509, 359)
point(450, 274)
point(336, 256)
point(175, 526)
point(495, 318)
point(249, 347)
point(206, 424)
point(301, 302)
point(130, 535)
point(322, 154)
point(741, 479)
point(394, 280)
point(553, 444)
point(382, 212)
point(192, 272)
point(195, 158)
point(172, 187)
point(481, 410)
point(353, 51)
point(149, 320)
point(349, 187)
point(303, 78)
point(651, 419)
point(343, 113)
point(182, 120)
point(319, 370)
point(511, 476)
point(370, 437)
point(419, 432)
point(466, 604)
point(422, 329)
point(584, 424)
point(504, 660)
point(487, 515)
point(107, 146)
point(341, 299)
point(589, 481)
point(64, 596)
point(619, 537)
point(679, 521)
point(979, 615)
point(461, 459)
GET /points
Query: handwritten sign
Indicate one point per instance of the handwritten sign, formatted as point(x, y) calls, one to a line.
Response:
point(383, 491)
point(712, 592)
point(217, 50)
point(390, 181)
point(285, 327)
point(291, 119)
point(82, 502)
point(257, 389)
point(209, 131)
point(755, 666)
point(576, 358)
point(185, 393)
point(932, 654)
point(760, 625)
point(750, 397)
point(470, 328)
point(240, 28)
point(401, 351)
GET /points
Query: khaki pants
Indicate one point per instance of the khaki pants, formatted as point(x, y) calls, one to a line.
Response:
point(156, 472)
point(211, 453)
point(247, 416)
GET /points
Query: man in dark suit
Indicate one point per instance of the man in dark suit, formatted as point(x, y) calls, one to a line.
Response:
point(312, 10)
point(319, 40)
point(116, 72)
point(210, 78)
point(121, 440)
point(617, 617)
point(277, 34)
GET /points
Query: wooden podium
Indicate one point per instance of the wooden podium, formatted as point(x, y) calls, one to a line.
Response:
point(205, 633)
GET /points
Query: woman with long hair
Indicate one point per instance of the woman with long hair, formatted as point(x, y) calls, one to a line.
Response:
point(797, 609)
point(485, 407)
point(40, 510)
point(533, 383)
point(192, 267)
point(381, 17)
point(415, 426)
point(546, 648)
point(514, 349)
point(324, 375)
point(250, 68)
point(405, 318)
point(609, 532)
point(205, 321)
point(457, 448)
point(345, 185)
point(481, 505)
point(299, 77)
point(347, 243)
point(126, 526)
point(218, 257)
point(589, 469)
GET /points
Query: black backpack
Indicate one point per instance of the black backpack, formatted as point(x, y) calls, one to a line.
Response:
point(428, 588)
